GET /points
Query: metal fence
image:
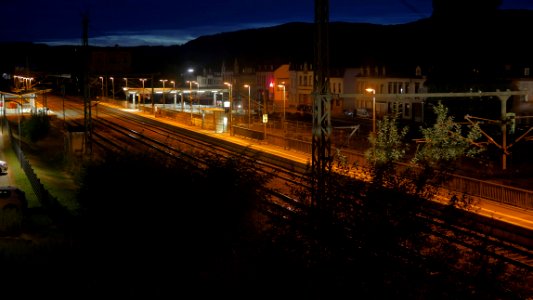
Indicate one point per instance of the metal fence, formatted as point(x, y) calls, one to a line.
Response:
point(47, 201)
point(470, 186)
point(456, 183)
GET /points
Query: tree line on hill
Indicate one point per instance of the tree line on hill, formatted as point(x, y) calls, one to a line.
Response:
point(480, 48)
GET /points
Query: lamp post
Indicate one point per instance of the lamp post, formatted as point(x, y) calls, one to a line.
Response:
point(271, 95)
point(249, 102)
point(126, 88)
point(19, 106)
point(190, 96)
point(20, 133)
point(282, 85)
point(102, 80)
point(373, 91)
point(175, 94)
point(142, 80)
point(112, 87)
point(230, 108)
point(190, 76)
point(197, 92)
point(182, 103)
point(163, 81)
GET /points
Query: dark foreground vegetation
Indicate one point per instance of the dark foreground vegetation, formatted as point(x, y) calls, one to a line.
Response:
point(151, 228)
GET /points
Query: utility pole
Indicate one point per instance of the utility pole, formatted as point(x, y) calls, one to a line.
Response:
point(321, 144)
point(86, 94)
point(505, 120)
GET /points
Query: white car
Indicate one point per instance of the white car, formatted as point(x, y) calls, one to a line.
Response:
point(3, 166)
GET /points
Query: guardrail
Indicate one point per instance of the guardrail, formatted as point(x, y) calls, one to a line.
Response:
point(471, 186)
point(461, 184)
point(493, 191)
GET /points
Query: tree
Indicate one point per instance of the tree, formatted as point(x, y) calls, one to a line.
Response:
point(387, 148)
point(445, 143)
point(438, 151)
point(36, 127)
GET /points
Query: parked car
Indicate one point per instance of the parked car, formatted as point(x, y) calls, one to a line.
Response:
point(12, 198)
point(304, 108)
point(362, 113)
point(3, 167)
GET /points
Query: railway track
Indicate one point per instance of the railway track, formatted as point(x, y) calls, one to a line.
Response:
point(497, 240)
point(119, 131)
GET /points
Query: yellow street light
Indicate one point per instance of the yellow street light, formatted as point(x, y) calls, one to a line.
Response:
point(142, 80)
point(373, 91)
point(190, 95)
point(102, 80)
point(197, 92)
point(163, 81)
point(282, 85)
point(230, 108)
point(174, 91)
point(249, 103)
point(126, 87)
point(112, 87)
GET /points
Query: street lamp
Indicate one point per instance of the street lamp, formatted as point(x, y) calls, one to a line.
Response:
point(271, 96)
point(249, 120)
point(126, 88)
point(282, 85)
point(197, 92)
point(102, 79)
point(19, 106)
point(373, 91)
point(142, 80)
point(190, 96)
point(230, 108)
point(163, 81)
point(175, 93)
point(112, 87)
point(182, 103)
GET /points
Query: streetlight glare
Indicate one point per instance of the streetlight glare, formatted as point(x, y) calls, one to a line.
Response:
point(102, 79)
point(230, 108)
point(373, 91)
point(282, 85)
point(112, 86)
point(249, 105)
point(142, 80)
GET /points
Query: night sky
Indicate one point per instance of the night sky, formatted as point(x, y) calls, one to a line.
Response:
point(171, 22)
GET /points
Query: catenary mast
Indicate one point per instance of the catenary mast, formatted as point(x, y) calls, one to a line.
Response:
point(321, 144)
point(86, 95)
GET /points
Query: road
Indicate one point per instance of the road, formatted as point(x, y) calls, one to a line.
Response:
point(8, 178)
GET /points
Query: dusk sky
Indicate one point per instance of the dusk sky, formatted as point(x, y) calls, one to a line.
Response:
point(171, 22)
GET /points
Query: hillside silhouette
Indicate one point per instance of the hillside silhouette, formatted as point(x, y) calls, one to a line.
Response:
point(486, 46)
